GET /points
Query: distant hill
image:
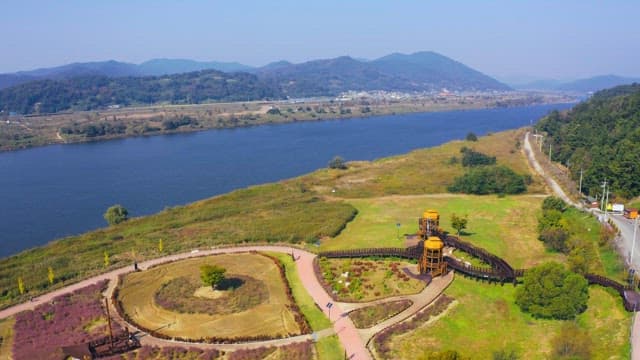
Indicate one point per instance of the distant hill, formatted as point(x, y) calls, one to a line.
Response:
point(89, 86)
point(596, 83)
point(177, 66)
point(96, 92)
point(600, 136)
point(114, 68)
point(428, 69)
point(586, 85)
point(422, 71)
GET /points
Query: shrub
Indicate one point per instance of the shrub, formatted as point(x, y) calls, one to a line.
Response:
point(571, 343)
point(471, 157)
point(554, 203)
point(337, 163)
point(550, 291)
point(555, 238)
point(116, 214)
point(489, 180)
point(471, 137)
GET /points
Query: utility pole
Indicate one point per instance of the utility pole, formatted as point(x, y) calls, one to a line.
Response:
point(604, 190)
point(633, 245)
point(541, 141)
point(549, 152)
point(580, 188)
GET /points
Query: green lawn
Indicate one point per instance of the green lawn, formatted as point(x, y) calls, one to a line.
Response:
point(486, 319)
point(316, 318)
point(329, 348)
point(505, 226)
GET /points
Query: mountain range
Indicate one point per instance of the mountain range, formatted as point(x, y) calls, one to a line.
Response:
point(419, 71)
point(586, 85)
point(88, 86)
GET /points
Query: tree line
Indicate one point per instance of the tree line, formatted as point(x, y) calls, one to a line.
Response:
point(600, 137)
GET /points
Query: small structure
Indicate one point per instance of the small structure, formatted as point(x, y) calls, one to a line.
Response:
point(431, 262)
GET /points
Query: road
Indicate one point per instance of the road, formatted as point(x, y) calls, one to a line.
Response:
point(626, 232)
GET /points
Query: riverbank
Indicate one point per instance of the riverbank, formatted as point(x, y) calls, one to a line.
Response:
point(20, 132)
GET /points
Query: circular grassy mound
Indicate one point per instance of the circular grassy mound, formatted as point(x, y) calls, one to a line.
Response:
point(235, 294)
point(171, 300)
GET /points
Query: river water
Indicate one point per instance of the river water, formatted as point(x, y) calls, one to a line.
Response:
point(61, 190)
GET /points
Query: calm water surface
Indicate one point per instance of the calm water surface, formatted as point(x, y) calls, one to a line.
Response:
point(60, 190)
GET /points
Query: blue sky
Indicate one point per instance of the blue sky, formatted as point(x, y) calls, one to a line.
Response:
point(544, 39)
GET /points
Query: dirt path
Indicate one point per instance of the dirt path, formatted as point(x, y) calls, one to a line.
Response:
point(549, 180)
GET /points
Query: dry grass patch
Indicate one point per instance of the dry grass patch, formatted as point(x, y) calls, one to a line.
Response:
point(422, 171)
point(6, 338)
point(233, 315)
point(365, 280)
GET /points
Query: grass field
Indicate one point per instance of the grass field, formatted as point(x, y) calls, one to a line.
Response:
point(504, 226)
point(316, 318)
point(329, 348)
point(487, 320)
point(366, 280)
point(6, 338)
point(269, 318)
point(279, 212)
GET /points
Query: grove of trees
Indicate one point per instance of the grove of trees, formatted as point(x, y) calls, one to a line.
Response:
point(600, 137)
point(489, 180)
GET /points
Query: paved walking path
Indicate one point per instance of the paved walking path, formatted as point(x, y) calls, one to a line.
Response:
point(353, 340)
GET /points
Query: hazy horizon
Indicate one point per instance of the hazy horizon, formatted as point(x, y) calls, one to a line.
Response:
point(503, 39)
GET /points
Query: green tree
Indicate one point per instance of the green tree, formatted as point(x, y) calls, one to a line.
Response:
point(550, 291)
point(471, 137)
point(554, 203)
point(116, 214)
point(212, 275)
point(571, 343)
point(337, 163)
point(555, 238)
point(484, 180)
point(459, 222)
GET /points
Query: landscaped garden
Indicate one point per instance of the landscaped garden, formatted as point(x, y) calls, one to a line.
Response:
point(366, 280)
point(252, 301)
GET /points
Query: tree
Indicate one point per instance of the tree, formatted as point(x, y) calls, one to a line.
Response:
point(20, 285)
point(459, 222)
point(471, 137)
point(555, 238)
point(550, 291)
point(571, 343)
point(116, 214)
point(337, 163)
point(106, 259)
point(50, 275)
point(212, 275)
point(554, 203)
point(160, 245)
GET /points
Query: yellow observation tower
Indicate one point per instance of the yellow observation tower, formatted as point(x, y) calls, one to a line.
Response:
point(432, 261)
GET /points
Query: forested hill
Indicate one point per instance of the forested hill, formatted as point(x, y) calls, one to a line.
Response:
point(112, 83)
point(95, 92)
point(601, 136)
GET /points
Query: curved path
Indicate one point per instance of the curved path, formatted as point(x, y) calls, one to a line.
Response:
point(347, 333)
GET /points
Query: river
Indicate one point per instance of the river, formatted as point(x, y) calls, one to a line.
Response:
point(61, 190)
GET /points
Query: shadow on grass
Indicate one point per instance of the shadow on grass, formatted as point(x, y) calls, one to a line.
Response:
point(230, 284)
